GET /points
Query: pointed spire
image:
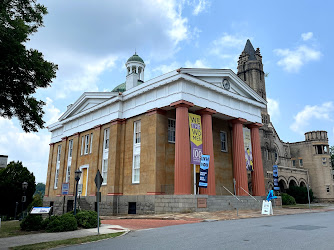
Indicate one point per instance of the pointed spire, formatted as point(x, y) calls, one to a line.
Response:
point(249, 49)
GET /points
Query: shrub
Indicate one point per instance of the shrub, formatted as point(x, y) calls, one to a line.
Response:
point(300, 194)
point(66, 222)
point(87, 219)
point(32, 223)
point(287, 199)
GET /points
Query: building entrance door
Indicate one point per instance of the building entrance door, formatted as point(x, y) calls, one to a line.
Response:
point(84, 180)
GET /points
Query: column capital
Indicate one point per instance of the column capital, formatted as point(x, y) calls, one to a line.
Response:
point(238, 121)
point(156, 111)
point(255, 125)
point(181, 103)
point(64, 138)
point(76, 134)
point(51, 144)
point(206, 111)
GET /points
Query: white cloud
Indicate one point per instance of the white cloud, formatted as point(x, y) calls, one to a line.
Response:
point(273, 108)
point(307, 36)
point(323, 112)
point(200, 6)
point(162, 69)
point(293, 60)
point(51, 112)
point(197, 64)
point(30, 148)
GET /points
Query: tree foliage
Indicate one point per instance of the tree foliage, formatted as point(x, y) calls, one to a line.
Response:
point(40, 189)
point(331, 153)
point(22, 70)
point(11, 179)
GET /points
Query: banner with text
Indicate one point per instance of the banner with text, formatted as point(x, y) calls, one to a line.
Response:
point(195, 127)
point(275, 176)
point(248, 149)
point(204, 169)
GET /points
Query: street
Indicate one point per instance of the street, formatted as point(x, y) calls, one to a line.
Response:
point(299, 231)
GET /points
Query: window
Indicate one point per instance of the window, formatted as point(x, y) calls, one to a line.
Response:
point(136, 169)
point(137, 132)
point(223, 141)
point(86, 144)
point(57, 167)
point(91, 143)
point(69, 160)
point(293, 163)
point(301, 162)
point(104, 170)
point(82, 145)
point(136, 152)
point(327, 188)
point(324, 161)
point(70, 148)
point(106, 138)
point(171, 130)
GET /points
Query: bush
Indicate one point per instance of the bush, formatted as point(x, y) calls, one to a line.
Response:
point(287, 199)
point(87, 219)
point(32, 223)
point(300, 194)
point(66, 222)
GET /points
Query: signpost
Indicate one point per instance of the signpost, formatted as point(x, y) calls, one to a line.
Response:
point(98, 183)
point(64, 191)
point(196, 143)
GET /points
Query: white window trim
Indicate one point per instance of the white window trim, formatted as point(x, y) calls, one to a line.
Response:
point(169, 130)
point(91, 143)
point(69, 160)
point(57, 167)
point(136, 151)
point(106, 142)
point(86, 148)
point(103, 170)
point(82, 144)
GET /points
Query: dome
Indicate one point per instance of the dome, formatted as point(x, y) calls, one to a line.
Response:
point(135, 58)
point(119, 88)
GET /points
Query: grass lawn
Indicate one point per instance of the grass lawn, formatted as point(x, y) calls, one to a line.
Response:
point(12, 228)
point(60, 243)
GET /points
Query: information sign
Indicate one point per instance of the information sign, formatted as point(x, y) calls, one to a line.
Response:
point(65, 188)
point(267, 208)
point(40, 210)
point(79, 188)
point(196, 143)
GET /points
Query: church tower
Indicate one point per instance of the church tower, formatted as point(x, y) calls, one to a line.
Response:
point(250, 70)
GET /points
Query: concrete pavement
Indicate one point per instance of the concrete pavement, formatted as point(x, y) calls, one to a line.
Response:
point(112, 224)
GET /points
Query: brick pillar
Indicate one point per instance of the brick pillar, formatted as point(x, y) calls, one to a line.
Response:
point(208, 149)
point(182, 174)
point(48, 177)
point(257, 174)
point(239, 160)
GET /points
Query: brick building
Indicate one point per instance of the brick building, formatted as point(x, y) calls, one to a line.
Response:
point(138, 137)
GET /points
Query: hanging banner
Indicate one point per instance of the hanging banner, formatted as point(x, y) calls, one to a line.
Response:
point(203, 173)
point(248, 149)
point(275, 176)
point(195, 127)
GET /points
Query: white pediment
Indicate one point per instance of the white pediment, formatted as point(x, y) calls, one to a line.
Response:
point(216, 76)
point(87, 101)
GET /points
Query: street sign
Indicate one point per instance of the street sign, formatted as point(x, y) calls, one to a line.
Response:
point(204, 169)
point(64, 188)
point(98, 179)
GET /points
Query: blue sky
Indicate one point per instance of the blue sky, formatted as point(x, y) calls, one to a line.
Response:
point(91, 41)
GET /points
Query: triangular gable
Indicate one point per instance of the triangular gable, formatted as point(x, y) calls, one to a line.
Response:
point(215, 77)
point(87, 101)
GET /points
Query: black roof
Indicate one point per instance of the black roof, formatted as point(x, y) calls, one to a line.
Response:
point(249, 49)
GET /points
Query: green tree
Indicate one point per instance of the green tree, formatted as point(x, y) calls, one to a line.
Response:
point(331, 153)
point(22, 70)
point(40, 189)
point(11, 179)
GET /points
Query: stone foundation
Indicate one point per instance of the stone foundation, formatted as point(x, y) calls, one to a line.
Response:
point(157, 204)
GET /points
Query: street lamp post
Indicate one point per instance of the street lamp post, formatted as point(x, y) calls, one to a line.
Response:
point(24, 198)
point(77, 178)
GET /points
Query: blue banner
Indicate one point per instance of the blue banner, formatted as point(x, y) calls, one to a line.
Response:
point(275, 176)
point(203, 173)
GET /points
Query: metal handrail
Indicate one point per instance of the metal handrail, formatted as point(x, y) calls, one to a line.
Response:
point(249, 194)
point(232, 194)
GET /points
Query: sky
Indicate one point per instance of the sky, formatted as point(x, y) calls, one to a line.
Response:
point(92, 40)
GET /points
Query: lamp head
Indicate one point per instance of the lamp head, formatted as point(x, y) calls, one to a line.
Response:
point(77, 174)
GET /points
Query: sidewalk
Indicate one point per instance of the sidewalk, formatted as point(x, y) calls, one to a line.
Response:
point(113, 224)
point(5, 243)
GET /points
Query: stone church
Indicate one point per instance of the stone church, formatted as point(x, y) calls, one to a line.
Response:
point(298, 163)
